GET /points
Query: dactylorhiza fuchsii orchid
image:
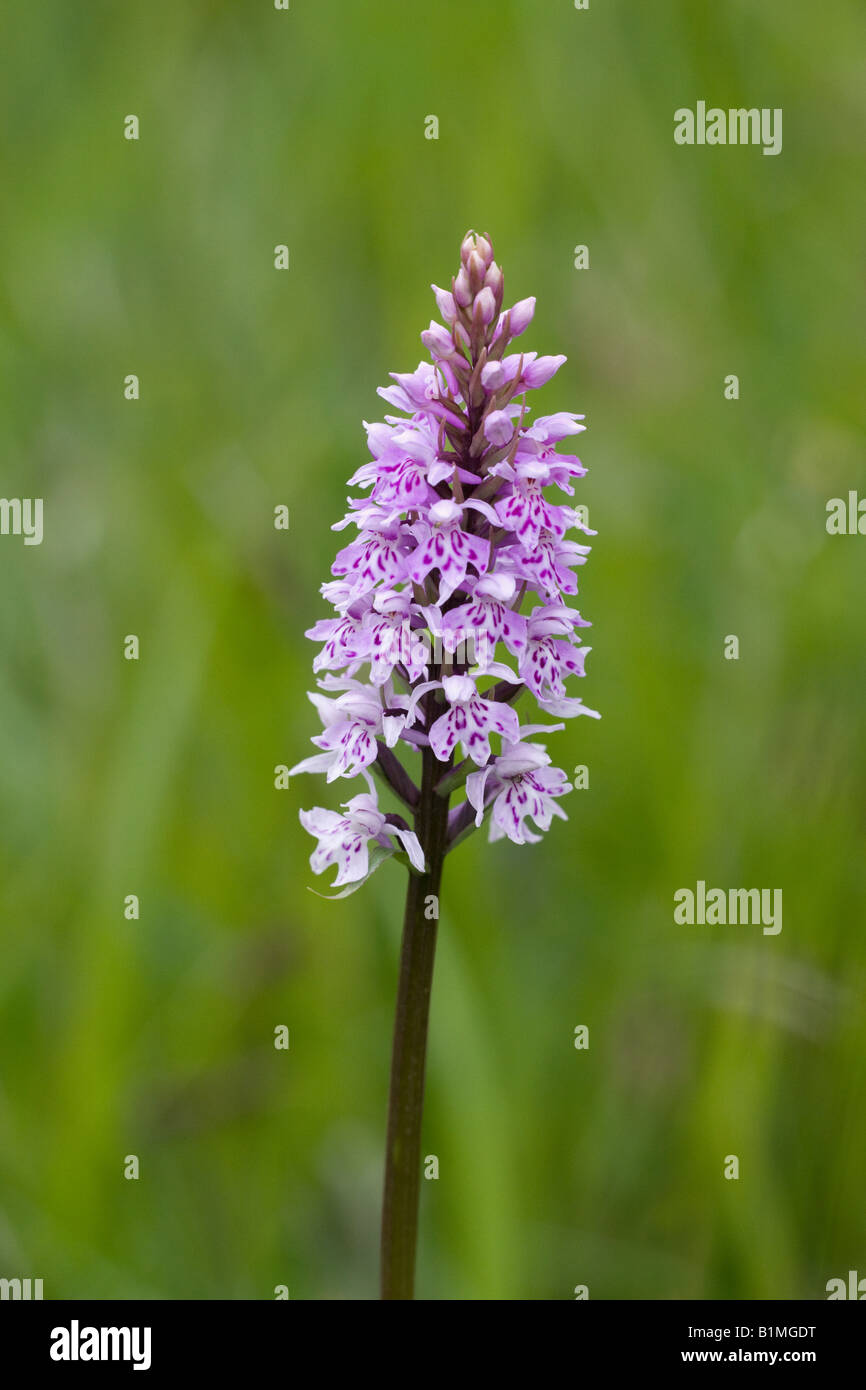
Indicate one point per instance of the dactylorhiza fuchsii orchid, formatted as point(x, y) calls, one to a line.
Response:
point(450, 600)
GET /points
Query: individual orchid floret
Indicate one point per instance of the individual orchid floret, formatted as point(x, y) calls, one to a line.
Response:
point(346, 641)
point(345, 840)
point(446, 547)
point(392, 640)
point(550, 654)
point(520, 784)
point(378, 556)
point(547, 567)
point(487, 618)
point(470, 721)
point(351, 724)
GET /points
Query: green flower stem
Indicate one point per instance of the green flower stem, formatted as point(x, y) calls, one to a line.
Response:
point(417, 954)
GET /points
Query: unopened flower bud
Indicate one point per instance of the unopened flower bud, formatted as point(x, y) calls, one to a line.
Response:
point(541, 370)
point(521, 316)
point(467, 246)
point(484, 308)
point(438, 340)
point(484, 250)
point(460, 286)
point(480, 245)
point(493, 375)
point(476, 270)
point(498, 428)
point(494, 279)
point(445, 302)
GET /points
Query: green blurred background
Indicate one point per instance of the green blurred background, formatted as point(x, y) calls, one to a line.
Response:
point(155, 1037)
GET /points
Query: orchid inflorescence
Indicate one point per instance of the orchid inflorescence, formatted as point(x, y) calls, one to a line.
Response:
point(455, 538)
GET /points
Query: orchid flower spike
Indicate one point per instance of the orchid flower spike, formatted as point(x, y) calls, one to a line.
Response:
point(450, 598)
